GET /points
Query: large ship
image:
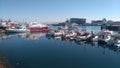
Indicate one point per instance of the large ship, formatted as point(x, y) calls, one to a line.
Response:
point(34, 26)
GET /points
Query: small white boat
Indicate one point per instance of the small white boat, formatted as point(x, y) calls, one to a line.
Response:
point(19, 29)
point(57, 37)
point(59, 33)
point(118, 44)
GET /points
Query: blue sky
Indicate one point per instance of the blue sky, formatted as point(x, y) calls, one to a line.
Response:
point(59, 10)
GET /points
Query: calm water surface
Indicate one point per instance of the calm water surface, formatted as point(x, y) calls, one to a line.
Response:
point(35, 50)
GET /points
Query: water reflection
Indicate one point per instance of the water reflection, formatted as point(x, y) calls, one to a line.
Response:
point(32, 36)
point(37, 35)
point(56, 52)
point(86, 43)
point(25, 36)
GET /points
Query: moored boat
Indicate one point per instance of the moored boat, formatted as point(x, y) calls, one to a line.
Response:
point(34, 26)
point(19, 29)
point(7, 23)
point(3, 24)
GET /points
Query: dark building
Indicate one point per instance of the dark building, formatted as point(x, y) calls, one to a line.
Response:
point(62, 24)
point(117, 23)
point(59, 24)
point(79, 21)
point(99, 22)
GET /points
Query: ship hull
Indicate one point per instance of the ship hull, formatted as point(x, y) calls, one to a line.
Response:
point(38, 28)
point(16, 30)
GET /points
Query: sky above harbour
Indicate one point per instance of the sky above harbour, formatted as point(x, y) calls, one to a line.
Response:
point(59, 10)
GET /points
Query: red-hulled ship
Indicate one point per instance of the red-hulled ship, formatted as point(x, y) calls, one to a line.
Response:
point(34, 26)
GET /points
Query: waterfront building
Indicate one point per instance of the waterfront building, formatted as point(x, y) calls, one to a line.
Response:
point(109, 21)
point(99, 22)
point(112, 25)
point(117, 23)
point(79, 21)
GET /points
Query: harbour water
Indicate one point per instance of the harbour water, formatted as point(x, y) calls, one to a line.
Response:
point(35, 50)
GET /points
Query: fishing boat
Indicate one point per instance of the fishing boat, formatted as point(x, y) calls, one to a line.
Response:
point(7, 23)
point(34, 26)
point(3, 24)
point(18, 29)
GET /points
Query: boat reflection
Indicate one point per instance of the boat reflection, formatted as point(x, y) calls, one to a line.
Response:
point(25, 36)
point(87, 43)
point(38, 35)
point(33, 36)
point(8, 36)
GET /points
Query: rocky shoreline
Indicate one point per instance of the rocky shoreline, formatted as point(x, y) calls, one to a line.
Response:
point(4, 62)
point(2, 31)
